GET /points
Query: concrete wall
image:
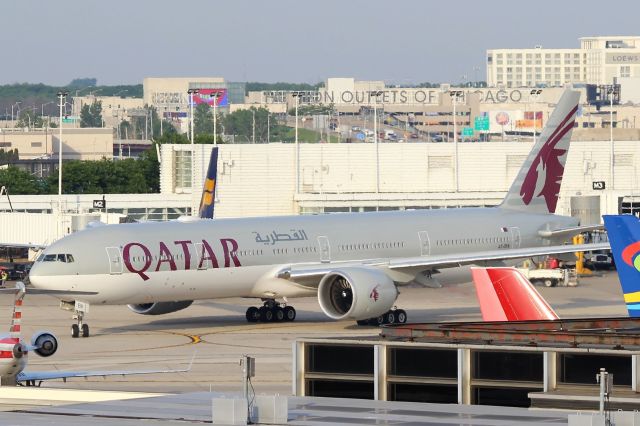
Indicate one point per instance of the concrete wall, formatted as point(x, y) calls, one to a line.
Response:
point(260, 179)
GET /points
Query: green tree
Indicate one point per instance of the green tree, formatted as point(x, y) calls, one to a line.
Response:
point(101, 177)
point(8, 157)
point(150, 167)
point(202, 119)
point(18, 181)
point(172, 138)
point(28, 118)
point(241, 124)
point(91, 115)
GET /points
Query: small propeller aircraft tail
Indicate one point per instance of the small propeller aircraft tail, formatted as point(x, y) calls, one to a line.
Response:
point(505, 294)
point(537, 184)
point(624, 236)
point(207, 202)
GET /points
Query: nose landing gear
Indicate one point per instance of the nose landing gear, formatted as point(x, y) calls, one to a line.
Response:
point(79, 309)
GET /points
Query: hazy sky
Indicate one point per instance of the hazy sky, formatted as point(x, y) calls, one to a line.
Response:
point(119, 41)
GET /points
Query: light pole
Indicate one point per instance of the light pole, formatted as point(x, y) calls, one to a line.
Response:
point(374, 95)
point(296, 96)
point(534, 96)
point(253, 125)
point(42, 108)
point(17, 104)
point(455, 96)
point(192, 92)
point(611, 92)
point(215, 117)
point(62, 96)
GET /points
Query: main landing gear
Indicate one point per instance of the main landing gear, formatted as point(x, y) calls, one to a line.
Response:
point(271, 311)
point(79, 309)
point(394, 316)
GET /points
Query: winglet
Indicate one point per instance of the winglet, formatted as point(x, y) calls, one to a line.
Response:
point(207, 202)
point(624, 236)
point(505, 294)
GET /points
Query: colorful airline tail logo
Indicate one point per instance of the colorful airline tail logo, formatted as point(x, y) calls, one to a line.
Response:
point(630, 255)
point(374, 294)
point(545, 174)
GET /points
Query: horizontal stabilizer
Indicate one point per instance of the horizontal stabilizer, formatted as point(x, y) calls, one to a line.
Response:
point(569, 232)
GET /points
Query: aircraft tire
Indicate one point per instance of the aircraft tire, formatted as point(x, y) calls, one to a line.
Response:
point(278, 314)
point(289, 313)
point(85, 330)
point(390, 317)
point(253, 314)
point(75, 330)
point(266, 315)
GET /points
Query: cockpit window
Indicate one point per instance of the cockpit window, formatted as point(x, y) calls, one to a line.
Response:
point(66, 258)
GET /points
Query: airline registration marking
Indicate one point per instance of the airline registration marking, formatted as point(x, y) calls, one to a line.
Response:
point(229, 249)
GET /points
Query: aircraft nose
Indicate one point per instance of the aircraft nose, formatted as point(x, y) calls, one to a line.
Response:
point(34, 275)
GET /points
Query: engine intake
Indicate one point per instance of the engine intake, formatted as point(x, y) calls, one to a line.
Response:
point(356, 293)
point(160, 308)
point(45, 343)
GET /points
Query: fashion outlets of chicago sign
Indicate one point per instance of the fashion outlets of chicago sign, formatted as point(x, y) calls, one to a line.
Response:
point(393, 96)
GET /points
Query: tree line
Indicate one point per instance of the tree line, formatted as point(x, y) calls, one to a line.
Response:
point(129, 176)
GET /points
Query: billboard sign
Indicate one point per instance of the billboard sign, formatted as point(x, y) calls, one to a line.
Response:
point(209, 96)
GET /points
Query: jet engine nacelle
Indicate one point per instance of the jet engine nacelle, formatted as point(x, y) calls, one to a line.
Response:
point(45, 344)
point(160, 308)
point(356, 293)
point(18, 351)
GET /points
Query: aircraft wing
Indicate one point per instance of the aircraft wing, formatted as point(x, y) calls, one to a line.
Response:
point(454, 260)
point(569, 232)
point(309, 275)
point(37, 376)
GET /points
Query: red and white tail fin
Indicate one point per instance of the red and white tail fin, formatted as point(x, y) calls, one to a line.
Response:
point(14, 330)
point(505, 294)
point(537, 185)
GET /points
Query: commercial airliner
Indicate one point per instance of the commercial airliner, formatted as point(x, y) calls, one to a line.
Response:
point(14, 353)
point(354, 263)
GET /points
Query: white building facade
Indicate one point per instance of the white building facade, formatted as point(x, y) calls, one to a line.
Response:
point(599, 60)
point(265, 179)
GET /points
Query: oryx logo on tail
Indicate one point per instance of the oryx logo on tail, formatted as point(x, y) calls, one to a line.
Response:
point(545, 174)
point(537, 185)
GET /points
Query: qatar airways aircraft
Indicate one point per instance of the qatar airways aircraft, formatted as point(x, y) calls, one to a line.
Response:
point(354, 263)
